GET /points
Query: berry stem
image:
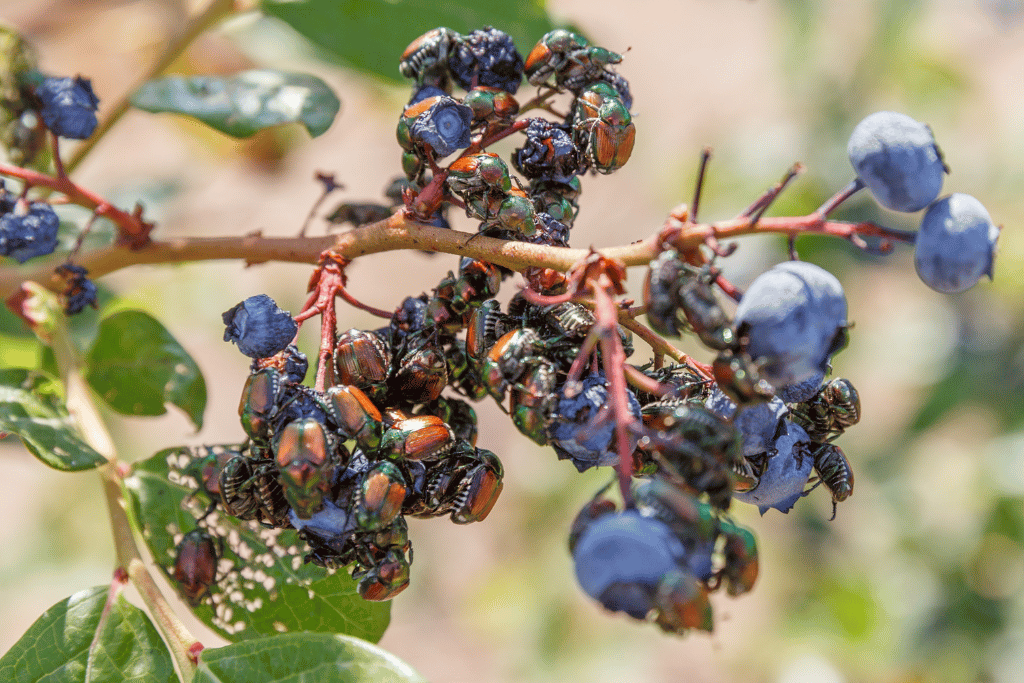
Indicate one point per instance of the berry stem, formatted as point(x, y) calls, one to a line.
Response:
point(133, 230)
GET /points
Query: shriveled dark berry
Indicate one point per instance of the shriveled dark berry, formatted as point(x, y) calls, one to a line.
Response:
point(30, 234)
point(69, 106)
point(547, 153)
point(489, 57)
point(259, 327)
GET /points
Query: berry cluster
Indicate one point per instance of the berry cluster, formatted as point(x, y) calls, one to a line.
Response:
point(597, 133)
point(66, 107)
point(378, 438)
point(897, 159)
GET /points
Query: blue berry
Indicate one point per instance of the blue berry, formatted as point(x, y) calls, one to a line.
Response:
point(758, 423)
point(621, 558)
point(69, 106)
point(491, 57)
point(259, 327)
point(785, 474)
point(444, 126)
point(803, 390)
point(898, 160)
point(956, 244)
point(792, 319)
point(574, 434)
point(34, 233)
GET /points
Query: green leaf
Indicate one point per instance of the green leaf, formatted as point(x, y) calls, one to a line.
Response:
point(245, 103)
point(303, 657)
point(32, 408)
point(69, 644)
point(371, 35)
point(137, 366)
point(263, 586)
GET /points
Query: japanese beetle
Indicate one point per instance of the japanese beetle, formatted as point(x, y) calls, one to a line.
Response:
point(478, 281)
point(466, 483)
point(386, 578)
point(477, 174)
point(831, 411)
point(532, 400)
point(834, 471)
point(508, 358)
point(681, 603)
point(305, 455)
point(362, 359)
point(487, 324)
point(381, 494)
point(492, 106)
point(568, 57)
point(236, 483)
point(262, 396)
point(421, 375)
point(415, 437)
point(603, 128)
point(356, 416)
point(195, 565)
point(426, 58)
point(740, 569)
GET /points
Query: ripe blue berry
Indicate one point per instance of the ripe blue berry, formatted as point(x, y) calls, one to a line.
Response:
point(621, 558)
point(69, 106)
point(956, 244)
point(444, 126)
point(34, 233)
point(803, 390)
point(785, 474)
point(259, 327)
point(898, 160)
point(758, 423)
point(792, 319)
point(491, 57)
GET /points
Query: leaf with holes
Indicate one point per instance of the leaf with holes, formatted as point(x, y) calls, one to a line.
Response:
point(75, 641)
point(262, 586)
point(32, 408)
point(242, 104)
point(302, 656)
point(137, 366)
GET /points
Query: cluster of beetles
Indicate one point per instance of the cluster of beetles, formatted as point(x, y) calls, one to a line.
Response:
point(393, 434)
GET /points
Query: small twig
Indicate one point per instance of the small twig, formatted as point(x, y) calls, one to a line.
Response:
point(329, 186)
point(855, 186)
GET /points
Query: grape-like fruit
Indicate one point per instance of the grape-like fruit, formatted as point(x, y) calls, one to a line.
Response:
point(30, 234)
point(897, 159)
point(69, 106)
point(259, 327)
point(956, 244)
point(791, 320)
point(786, 473)
point(621, 558)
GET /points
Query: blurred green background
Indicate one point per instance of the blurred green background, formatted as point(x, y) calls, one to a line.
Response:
point(919, 578)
